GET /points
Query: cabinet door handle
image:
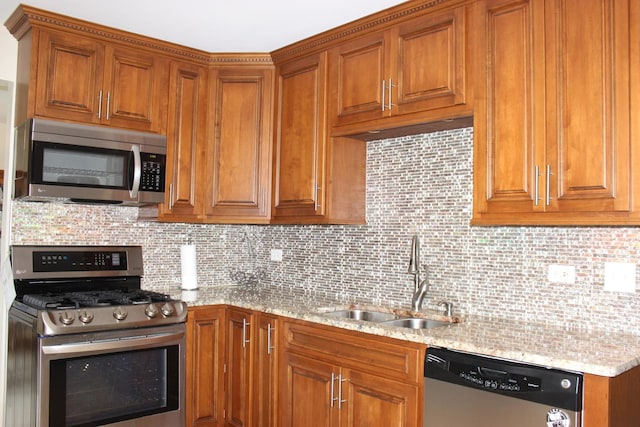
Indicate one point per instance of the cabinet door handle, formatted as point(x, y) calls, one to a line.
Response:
point(390, 94)
point(548, 189)
point(537, 186)
point(170, 196)
point(269, 330)
point(317, 203)
point(333, 377)
point(245, 341)
point(108, 105)
point(340, 400)
point(100, 104)
point(384, 84)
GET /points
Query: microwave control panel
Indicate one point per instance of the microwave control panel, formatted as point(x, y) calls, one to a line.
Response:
point(153, 168)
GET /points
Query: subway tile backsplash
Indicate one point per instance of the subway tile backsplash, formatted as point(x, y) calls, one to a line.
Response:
point(418, 184)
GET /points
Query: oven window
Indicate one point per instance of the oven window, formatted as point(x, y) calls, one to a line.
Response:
point(107, 388)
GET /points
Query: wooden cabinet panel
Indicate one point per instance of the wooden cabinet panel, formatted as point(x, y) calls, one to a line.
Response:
point(239, 149)
point(266, 371)
point(301, 139)
point(307, 386)
point(374, 401)
point(204, 366)
point(86, 80)
point(332, 377)
point(185, 140)
point(239, 362)
point(547, 149)
point(412, 67)
point(62, 59)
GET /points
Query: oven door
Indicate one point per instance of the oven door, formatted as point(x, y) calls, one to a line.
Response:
point(116, 378)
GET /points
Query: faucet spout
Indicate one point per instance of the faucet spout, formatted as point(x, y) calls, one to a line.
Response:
point(420, 286)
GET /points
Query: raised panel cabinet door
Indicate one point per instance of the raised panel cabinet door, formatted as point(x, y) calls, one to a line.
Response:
point(308, 388)
point(509, 121)
point(588, 134)
point(239, 360)
point(360, 73)
point(429, 62)
point(239, 148)
point(204, 366)
point(135, 89)
point(186, 128)
point(266, 375)
point(370, 400)
point(69, 77)
point(299, 166)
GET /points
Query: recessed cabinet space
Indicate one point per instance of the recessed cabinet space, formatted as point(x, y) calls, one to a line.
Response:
point(316, 179)
point(554, 114)
point(413, 72)
point(89, 81)
point(237, 173)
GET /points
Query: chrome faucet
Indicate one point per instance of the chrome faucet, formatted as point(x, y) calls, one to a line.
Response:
point(420, 286)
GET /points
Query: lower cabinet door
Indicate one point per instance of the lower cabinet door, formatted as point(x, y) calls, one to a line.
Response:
point(306, 392)
point(265, 372)
point(370, 400)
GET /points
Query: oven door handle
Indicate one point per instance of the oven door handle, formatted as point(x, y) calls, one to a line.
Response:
point(138, 342)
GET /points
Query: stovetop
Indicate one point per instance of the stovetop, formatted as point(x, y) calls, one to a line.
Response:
point(100, 298)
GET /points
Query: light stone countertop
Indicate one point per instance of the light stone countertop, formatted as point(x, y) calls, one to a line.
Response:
point(555, 346)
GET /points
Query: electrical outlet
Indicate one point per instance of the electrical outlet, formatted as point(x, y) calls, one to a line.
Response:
point(619, 277)
point(562, 274)
point(276, 255)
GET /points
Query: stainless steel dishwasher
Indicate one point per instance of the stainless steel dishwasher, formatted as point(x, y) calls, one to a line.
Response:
point(467, 390)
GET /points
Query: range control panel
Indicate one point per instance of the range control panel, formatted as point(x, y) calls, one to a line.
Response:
point(54, 261)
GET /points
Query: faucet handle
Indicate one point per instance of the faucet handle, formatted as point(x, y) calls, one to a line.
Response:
point(448, 308)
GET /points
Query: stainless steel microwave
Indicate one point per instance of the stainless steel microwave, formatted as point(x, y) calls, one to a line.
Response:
point(72, 162)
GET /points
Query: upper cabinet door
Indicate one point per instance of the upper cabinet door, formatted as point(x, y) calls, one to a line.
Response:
point(86, 80)
point(299, 174)
point(135, 87)
point(69, 77)
point(238, 172)
point(553, 113)
point(186, 126)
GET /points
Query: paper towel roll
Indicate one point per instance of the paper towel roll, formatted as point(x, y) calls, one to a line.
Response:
point(188, 265)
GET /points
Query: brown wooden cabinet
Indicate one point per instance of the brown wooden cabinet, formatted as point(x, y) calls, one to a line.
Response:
point(265, 389)
point(186, 128)
point(415, 66)
point(333, 377)
point(237, 177)
point(553, 113)
point(82, 79)
point(205, 366)
point(316, 179)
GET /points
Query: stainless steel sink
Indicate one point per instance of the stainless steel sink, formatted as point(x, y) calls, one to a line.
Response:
point(415, 323)
point(365, 315)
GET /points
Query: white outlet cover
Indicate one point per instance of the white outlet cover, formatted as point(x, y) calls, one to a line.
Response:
point(276, 255)
point(620, 277)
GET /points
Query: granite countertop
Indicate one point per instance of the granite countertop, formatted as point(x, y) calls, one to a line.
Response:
point(557, 346)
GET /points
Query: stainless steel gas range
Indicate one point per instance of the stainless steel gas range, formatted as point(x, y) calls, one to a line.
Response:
point(88, 346)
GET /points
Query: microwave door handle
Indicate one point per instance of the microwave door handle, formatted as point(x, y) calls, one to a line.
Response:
point(137, 171)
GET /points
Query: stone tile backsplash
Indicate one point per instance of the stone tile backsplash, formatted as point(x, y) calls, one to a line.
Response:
point(418, 184)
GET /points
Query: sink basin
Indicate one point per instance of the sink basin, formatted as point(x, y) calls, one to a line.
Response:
point(416, 323)
point(366, 315)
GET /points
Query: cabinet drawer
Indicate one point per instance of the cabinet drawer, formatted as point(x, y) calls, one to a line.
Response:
point(382, 356)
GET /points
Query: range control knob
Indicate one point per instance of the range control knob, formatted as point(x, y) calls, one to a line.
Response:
point(85, 317)
point(168, 310)
point(151, 311)
point(120, 313)
point(67, 318)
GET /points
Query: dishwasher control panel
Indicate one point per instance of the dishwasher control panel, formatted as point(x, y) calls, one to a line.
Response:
point(523, 381)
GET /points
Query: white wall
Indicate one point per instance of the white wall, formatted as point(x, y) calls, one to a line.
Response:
point(8, 65)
